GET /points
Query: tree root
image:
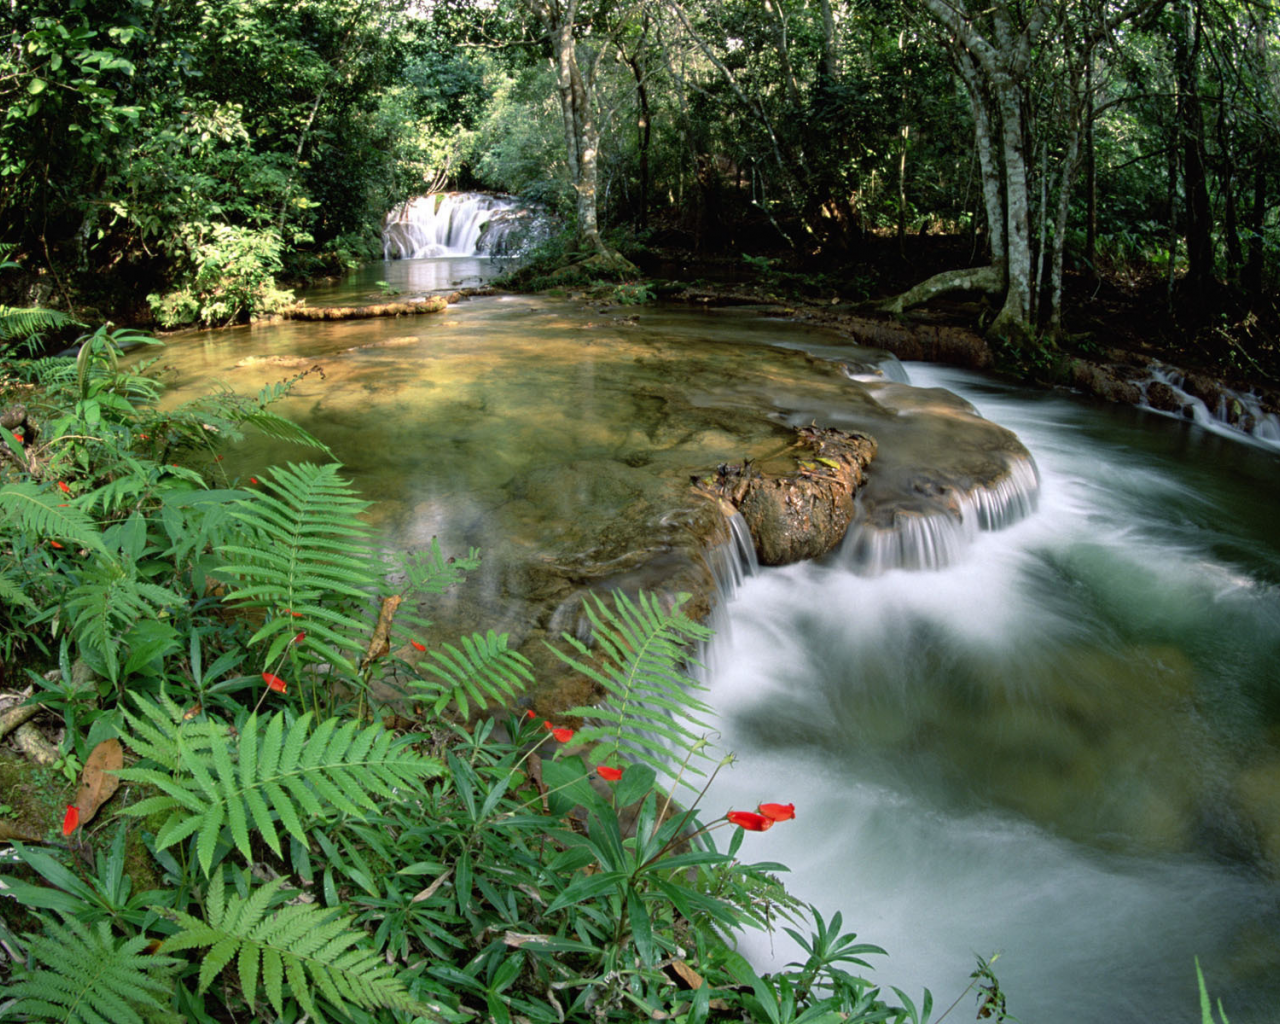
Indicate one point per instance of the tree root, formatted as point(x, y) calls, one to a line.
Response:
point(982, 279)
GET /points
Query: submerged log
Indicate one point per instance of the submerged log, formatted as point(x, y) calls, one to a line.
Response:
point(435, 304)
point(804, 513)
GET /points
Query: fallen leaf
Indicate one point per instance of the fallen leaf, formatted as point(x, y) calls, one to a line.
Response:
point(687, 974)
point(98, 780)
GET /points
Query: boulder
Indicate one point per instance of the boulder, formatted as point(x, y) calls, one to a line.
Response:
point(805, 512)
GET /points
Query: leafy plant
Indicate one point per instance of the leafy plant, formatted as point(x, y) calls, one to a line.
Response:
point(641, 667)
point(252, 779)
point(312, 947)
point(86, 975)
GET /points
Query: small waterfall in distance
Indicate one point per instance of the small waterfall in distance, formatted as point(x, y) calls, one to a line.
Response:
point(461, 224)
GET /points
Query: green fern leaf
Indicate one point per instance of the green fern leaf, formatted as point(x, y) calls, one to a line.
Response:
point(484, 671)
point(266, 776)
point(315, 948)
point(35, 510)
point(309, 546)
point(641, 666)
point(87, 976)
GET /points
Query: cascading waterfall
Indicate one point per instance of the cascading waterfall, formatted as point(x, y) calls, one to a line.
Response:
point(460, 224)
point(1168, 391)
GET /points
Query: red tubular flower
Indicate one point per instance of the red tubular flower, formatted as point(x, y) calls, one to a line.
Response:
point(71, 820)
point(290, 611)
point(562, 735)
point(55, 544)
point(300, 637)
point(778, 812)
point(253, 480)
point(530, 714)
point(546, 724)
point(609, 774)
point(417, 646)
point(274, 682)
point(751, 821)
point(62, 486)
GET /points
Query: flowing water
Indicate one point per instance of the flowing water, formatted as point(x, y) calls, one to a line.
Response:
point(1039, 717)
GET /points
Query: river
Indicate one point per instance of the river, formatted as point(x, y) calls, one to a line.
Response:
point(1058, 740)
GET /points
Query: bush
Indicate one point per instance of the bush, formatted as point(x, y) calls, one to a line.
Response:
point(231, 277)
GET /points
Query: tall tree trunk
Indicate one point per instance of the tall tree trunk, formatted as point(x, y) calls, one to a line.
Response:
point(643, 130)
point(1190, 121)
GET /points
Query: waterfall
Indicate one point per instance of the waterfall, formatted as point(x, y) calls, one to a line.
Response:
point(1216, 407)
point(926, 538)
point(461, 224)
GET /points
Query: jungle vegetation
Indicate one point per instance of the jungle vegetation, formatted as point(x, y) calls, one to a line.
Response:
point(199, 152)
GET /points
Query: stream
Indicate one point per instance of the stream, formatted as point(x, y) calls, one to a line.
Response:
point(1056, 737)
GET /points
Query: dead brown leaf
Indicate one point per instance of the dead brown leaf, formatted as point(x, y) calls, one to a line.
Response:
point(98, 780)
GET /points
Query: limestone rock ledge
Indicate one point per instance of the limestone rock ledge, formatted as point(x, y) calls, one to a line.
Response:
point(801, 512)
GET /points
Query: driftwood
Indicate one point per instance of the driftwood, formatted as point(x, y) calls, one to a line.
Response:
point(16, 716)
point(435, 304)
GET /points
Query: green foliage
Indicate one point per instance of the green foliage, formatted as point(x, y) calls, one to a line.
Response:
point(1206, 1007)
point(642, 667)
point(22, 329)
point(304, 546)
point(231, 277)
point(213, 776)
point(310, 947)
point(86, 975)
point(484, 671)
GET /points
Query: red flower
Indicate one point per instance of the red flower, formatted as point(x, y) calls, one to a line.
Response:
point(562, 735)
point(530, 714)
point(71, 820)
point(55, 544)
point(218, 458)
point(62, 485)
point(300, 637)
point(253, 480)
point(20, 439)
point(778, 812)
point(609, 774)
point(546, 724)
point(290, 611)
point(145, 437)
point(751, 821)
point(274, 682)
point(417, 646)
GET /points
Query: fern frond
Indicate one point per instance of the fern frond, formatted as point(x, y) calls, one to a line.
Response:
point(314, 948)
point(484, 670)
point(35, 510)
point(27, 324)
point(11, 592)
point(262, 776)
point(87, 976)
point(641, 665)
point(308, 547)
point(281, 429)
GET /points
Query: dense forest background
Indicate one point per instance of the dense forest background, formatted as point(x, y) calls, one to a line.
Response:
point(1019, 150)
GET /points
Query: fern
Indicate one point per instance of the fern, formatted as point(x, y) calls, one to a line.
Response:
point(24, 326)
point(309, 946)
point(35, 510)
point(649, 699)
point(308, 547)
point(263, 775)
point(485, 669)
point(87, 976)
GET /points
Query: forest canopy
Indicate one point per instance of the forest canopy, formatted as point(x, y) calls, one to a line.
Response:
point(153, 148)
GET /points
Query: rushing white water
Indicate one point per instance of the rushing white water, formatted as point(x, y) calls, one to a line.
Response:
point(1234, 413)
point(1047, 746)
point(457, 224)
